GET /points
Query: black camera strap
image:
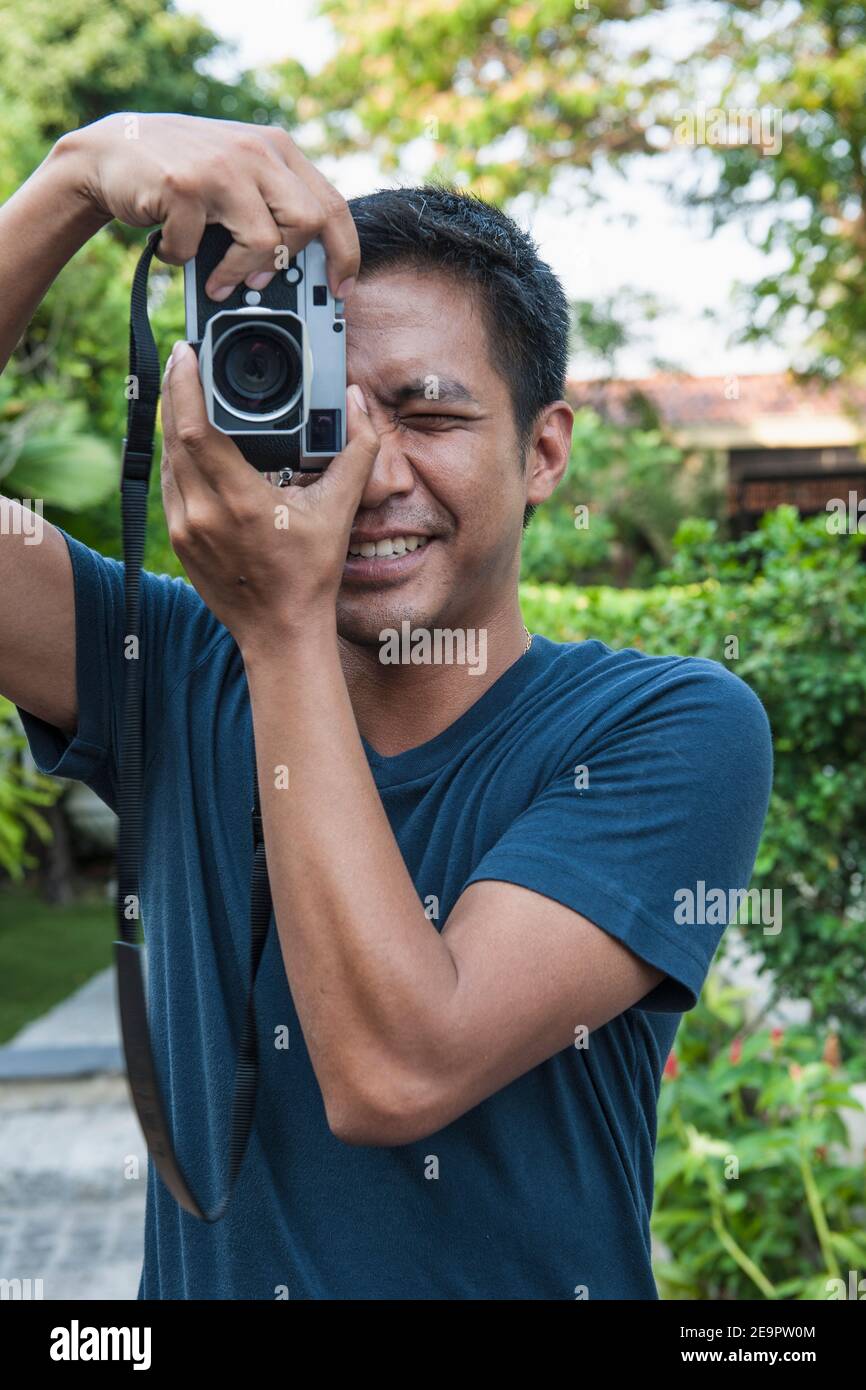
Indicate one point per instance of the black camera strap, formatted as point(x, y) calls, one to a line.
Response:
point(144, 379)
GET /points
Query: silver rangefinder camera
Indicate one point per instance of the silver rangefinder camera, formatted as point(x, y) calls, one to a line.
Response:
point(272, 362)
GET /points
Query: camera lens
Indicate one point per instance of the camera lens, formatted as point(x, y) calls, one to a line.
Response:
point(257, 369)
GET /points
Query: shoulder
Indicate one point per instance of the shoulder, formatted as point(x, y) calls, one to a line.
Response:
point(171, 609)
point(674, 702)
point(629, 672)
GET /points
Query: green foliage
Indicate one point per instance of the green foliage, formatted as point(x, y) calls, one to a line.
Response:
point(753, 1198)
point(793, 598)
point(69, 66)
point(614, 516)
point(62, 397)
point(805, 196)
point(506, 92)
point(46, 452)
point(21, 791)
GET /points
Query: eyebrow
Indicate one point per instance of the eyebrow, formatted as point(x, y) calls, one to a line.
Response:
point(448, 389)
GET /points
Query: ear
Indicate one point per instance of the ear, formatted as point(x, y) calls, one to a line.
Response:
point(548, 452)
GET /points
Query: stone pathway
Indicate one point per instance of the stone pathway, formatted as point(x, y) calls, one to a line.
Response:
point(73, 1166)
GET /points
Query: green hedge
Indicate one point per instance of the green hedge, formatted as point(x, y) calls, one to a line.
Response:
point(785, 609)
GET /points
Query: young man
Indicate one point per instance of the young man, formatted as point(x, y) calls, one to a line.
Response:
point(476, 960)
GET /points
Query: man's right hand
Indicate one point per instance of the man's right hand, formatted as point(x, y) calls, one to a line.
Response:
point(186, 171)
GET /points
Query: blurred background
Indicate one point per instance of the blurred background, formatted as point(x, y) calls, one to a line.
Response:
point(695, 173)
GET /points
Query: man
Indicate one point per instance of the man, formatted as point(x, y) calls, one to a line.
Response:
point(476, 964)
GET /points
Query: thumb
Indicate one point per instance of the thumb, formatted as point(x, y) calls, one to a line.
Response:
point(349, 471)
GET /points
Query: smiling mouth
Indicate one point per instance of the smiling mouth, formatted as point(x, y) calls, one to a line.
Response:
point(388, 559)
point(390, 545)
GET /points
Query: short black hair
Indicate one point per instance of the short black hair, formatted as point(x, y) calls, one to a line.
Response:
point(438, 227)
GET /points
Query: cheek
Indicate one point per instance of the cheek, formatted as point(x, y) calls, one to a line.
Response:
point(467, 477)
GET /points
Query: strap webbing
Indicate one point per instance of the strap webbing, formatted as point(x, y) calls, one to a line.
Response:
point(140, 1065)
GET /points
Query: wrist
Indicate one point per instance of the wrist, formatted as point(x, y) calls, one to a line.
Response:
point(71, 166)
point(302, 638)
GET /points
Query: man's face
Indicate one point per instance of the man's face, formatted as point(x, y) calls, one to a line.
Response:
point(448, 479)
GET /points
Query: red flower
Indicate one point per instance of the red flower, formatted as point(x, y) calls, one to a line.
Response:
point(736, 1051)
point(776, 1036)
point(671, 1068)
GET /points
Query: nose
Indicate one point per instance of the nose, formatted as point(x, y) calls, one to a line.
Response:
point(392, 474)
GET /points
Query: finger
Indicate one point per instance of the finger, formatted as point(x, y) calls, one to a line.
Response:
point(200, 454)
point(297, 212)
point(297, 222)
point(172, 501)
point(288, 215)
point(182, 231)
point(346, 476)
point(338, 232)
point(170, 448)
point(255, 239)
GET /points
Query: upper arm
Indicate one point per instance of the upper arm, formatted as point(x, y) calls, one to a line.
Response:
point(532, 976)
point(37, 618)
point(80, 642)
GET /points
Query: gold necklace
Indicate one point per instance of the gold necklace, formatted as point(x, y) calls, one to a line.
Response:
point(528, 640)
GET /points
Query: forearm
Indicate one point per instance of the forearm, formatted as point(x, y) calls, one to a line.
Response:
point(371, 978)
point(42, 226)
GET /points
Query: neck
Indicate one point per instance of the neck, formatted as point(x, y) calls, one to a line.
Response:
point(409, 689)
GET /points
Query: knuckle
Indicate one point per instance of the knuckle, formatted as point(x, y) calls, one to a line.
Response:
point(141, 203)
point(196, 521)
point(192, 436)
point(262, 244)
point(280, 136)
point(251, 144)
point(178, 182)
point(333, 203)
point(219, 163)
point(309, 220)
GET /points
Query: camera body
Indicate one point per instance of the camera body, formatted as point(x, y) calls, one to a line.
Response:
point(272, 362)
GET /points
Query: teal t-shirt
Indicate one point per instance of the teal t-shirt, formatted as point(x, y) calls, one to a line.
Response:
point(544, 1190)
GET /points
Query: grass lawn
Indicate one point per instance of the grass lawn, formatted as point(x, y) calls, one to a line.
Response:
point(47, 952)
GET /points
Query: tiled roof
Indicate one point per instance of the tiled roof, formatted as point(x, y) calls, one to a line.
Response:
point(688, 401)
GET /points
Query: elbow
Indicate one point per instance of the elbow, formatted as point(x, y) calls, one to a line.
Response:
point(386, 1114)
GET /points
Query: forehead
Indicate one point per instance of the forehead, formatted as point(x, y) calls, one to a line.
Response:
point(403, 325)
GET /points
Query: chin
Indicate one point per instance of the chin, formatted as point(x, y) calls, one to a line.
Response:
point(361, 622)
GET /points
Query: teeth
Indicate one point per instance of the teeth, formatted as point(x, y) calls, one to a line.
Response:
point(391, 545)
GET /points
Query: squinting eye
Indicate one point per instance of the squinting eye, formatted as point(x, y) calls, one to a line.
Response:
point(432, 419)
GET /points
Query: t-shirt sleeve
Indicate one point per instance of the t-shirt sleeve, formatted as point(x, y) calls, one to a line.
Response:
point(177, 629)
point(662, 818)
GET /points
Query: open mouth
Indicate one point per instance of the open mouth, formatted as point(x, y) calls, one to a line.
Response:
point(391, 557)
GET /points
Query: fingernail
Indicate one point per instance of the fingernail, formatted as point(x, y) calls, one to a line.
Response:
point(180, 349)
point(218, 296)
point(358, 397)
point(345, 287)
point(259, 280)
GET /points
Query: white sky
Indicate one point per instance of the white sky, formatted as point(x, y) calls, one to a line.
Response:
point(638, 238)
